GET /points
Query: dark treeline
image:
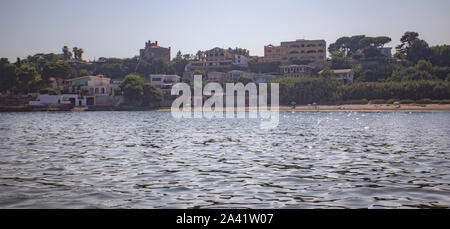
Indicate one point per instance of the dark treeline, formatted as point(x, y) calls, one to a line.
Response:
point(324, 90)
point(37, 72)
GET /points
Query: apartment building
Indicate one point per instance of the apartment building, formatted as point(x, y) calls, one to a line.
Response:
point(272, 53)
point(288, 51)
point(217, 60)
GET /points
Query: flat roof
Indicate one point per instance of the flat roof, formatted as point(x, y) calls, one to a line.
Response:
point(339, 70)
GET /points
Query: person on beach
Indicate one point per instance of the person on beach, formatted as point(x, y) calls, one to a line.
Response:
point(293, 104)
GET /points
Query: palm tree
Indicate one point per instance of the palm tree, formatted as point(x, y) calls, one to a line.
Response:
point(80, 54)
point(199, 55)
point(67, 53)
point(75, 53)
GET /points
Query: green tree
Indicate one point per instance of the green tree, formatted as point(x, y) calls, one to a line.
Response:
point(307, 90)
point(412, 48)
point(347, 45)
point(151, 95)
point(200, 54)
point(179, 55)
point(139, 93)
point(112, 70)
point(377, 42)
point(160, 66)
point(85, 72)
point(26, 78)
point(410, 74)
point(61, 70)
point(421, 89)
point(179, 66)
point(133, 88)
point(157, 66)
point(75, 53)
point(66, 52)
point(8, 77)
point(440, 55)
point(340, 63)
point(245, 80)
point(370, 46)
point(240, 51)
point(78, 53)
point(424, 65)
point(273, 67)
point(39, 60)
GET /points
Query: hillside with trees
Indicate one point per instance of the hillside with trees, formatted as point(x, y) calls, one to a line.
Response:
point(416, 72)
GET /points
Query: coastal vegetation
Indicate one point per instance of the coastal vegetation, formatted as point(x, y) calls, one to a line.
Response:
point(416, 72)
point(139, 93)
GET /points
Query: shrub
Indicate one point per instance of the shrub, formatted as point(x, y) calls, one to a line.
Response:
point(424, 101)
point(444, 101)
point(391, 101)
point(377, 101)
point(406, 101)
point(358, 101)
point(47, 91)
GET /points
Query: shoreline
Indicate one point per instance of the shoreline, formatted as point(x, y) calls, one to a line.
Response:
point(361, 108)
point(318, 108)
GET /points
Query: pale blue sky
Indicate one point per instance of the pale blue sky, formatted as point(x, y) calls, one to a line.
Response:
point(113, 28)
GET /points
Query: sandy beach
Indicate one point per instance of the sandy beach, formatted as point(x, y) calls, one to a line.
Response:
point(364, 108)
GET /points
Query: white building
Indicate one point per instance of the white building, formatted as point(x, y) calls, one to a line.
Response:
point(240, 60)
point(91, 86)
point(296, 70)
point(60, 100)
point(346, 75)
point(163, 82)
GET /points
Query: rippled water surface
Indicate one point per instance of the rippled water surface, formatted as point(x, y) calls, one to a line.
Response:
point(150, 160)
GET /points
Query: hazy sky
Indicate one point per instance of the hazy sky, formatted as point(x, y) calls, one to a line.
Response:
point(113, 28)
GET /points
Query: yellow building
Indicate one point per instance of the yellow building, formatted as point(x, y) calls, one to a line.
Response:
point(272, 53)
point(288, 51)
